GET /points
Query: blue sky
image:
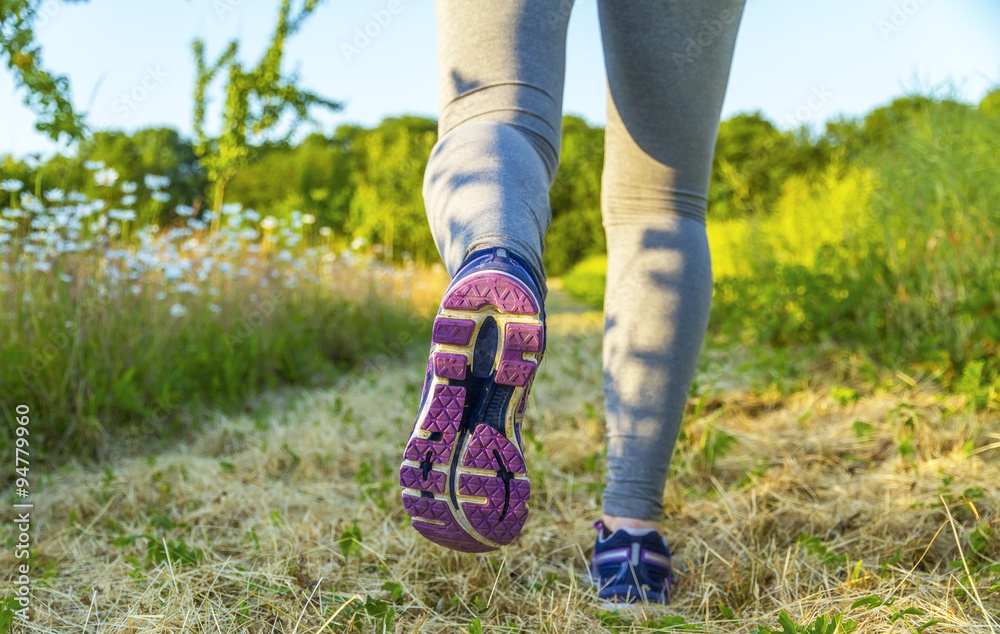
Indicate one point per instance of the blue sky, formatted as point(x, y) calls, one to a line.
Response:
point(130, 61)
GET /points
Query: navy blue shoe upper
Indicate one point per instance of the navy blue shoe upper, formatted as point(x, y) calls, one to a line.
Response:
point(631, 567)
point(501, 259)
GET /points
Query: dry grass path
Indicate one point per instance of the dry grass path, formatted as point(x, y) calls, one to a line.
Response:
point(803, 499)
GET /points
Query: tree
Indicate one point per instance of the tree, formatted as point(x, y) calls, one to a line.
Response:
point(990, 105)
point(752, 158)
point(158, 151)
point(387, 171)
point(576, 230)
point(44, 93)
point(256, 101)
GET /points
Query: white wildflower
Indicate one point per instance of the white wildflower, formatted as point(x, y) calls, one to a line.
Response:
point(128, 199)
point(43, 266)
point(31, 203)
point(308, 219)
point(248, 234)
point(215, 308)
point(124, 215)
point(160, 197)
point(155, 182)
point(55, 195)
point(128, 187)
point(268, 223)
point(106, 177)
point(184, 210)
point(326, 232)
point(94, 165)
point(172, 272)
point(178, 310)
point(11, 185)
point(231, 208)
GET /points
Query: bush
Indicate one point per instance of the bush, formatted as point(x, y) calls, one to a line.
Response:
point(898, 255)
point(586, 281)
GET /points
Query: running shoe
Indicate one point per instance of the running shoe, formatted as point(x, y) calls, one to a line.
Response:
point(631, 565)
point(463, 475)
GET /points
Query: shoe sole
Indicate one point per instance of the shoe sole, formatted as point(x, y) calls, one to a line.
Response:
point(463, 475)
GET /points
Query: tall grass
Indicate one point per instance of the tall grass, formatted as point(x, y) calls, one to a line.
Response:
point(897, 254)
point(108, 339)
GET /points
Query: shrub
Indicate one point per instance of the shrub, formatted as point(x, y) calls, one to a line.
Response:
point(898, 254)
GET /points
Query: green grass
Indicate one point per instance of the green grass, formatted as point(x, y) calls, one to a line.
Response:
point(896, 257)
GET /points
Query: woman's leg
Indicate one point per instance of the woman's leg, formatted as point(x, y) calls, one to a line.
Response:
point(668, 65)
point(486, 189)
point(501, 68)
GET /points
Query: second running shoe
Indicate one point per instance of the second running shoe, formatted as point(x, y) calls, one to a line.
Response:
point(463, 474)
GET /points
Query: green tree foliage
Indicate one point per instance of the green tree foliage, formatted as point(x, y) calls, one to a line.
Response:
point(257, 101)
point(159, 151)
point(44, 93)
point(752, 158)
point(156, 151)
point(387, 173)
point(312, 177)
point(576, 231)
point(362, 183)
point(990, 105)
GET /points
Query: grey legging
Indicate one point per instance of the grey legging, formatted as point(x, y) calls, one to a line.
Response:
point(500, 70)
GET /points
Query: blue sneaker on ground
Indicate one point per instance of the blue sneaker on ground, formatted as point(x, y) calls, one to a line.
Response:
point(463, 474)
point(631, 565)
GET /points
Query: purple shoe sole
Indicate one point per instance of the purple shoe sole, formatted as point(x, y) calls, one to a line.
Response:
point(463, 476)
